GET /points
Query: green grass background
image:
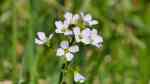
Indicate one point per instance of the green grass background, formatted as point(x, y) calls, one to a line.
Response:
point(123, 59)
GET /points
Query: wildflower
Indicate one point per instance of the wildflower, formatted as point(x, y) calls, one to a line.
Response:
point(42, 39)
point(70, 18)
point(96, 39)
point(62, 28)
point(88, 19)
point(66, 50)
point(79, 78)
point(88, 36)
point(82, 36)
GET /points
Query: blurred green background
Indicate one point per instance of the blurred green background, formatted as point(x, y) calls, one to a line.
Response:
point(123, 59)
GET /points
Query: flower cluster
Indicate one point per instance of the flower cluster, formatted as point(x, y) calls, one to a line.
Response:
point(80, 28)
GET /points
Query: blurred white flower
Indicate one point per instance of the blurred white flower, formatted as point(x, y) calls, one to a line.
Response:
point(81, 36)
point(96, 39)
point(79, 78)
point(88, 19)
point(62, 28)
point(70, 18)
point(66, 50)
point(88, 36)
point(42, 39)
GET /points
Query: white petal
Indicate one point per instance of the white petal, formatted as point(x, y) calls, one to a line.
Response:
point(60, 52)
point(97, 38)
point(78, 77)
point(68, 15)
point(98, 45)
point(58, 31)
point(41, 36)
point(93, 22)
point(86, 40)
point(39, 42)
point(75, 19)
point(68, 18)
point(82, 14)
point(67, 22)
point(86, 33)
point(64, 44)
point(94, 32)
point(69, 56)
point(87, 18)
point(76, 30)
point(59, 24)
point(74, 49)
point(77, 38)
point(68, 32)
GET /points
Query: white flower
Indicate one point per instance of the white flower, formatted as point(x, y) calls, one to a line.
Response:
point(88, 36)
point(96, 39)
point(70, 18)
point(62, 28)
point(42, 39)
point(82, 36)
point(88, 19)
point(66, 50)
point(79, 78)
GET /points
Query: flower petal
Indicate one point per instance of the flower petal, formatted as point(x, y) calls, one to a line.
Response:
point(87, 18)
point(78, 77)
point(60, 52)
point(59, 24)
point(68, 15)
point(76, 30)
point(74, 49)
point(75, 19)
point(86, 40)
point(68, 18)
point(86, 33)
point(41, 36)
point(64, 44)
point(93, 22)
point(39, 42)
point(68, 32)
point(69, 56)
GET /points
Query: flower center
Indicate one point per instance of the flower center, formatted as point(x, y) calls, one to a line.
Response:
point(66, 50)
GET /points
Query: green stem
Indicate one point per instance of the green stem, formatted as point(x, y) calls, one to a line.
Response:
point(61, 74)
point(14, 39)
